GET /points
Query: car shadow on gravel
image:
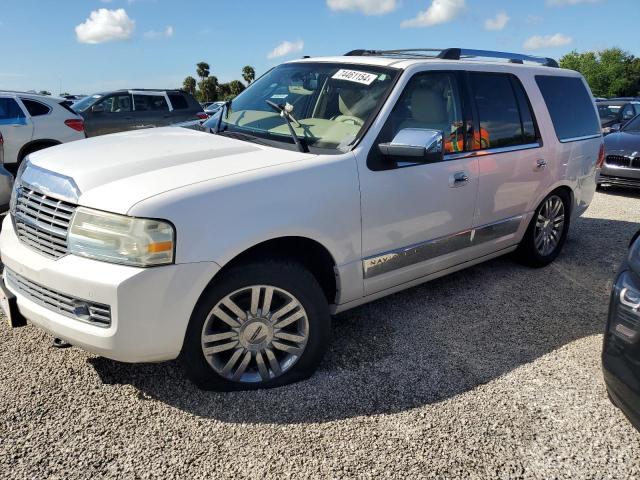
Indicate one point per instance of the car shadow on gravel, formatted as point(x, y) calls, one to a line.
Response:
point(628, 192)
point(425, 344)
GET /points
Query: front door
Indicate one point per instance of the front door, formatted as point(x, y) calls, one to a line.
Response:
point(16, 128)
point(416, 217)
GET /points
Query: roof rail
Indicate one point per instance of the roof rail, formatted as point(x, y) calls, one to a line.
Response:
point(456, 54)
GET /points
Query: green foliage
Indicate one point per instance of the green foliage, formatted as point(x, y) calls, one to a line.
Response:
point(610, 73)
point(189, 85)
point(248, 74)
point(208, 89)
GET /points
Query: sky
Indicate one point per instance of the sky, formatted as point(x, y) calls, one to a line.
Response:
point(85, 46)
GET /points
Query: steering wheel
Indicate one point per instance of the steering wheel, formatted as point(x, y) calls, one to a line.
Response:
point(349, 119)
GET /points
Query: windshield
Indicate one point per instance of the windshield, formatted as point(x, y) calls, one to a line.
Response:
point(609, 112)
point(331, 103)
point(632, 125)
point(86, 102)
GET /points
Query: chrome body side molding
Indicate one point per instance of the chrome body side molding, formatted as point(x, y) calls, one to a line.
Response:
point(421, 252)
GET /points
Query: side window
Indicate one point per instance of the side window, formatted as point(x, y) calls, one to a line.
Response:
point(116, 103)
point(11, 113)
point(178, 102)
point(150, 103)
point(35, 108)
point(637, 107)
point(429, 101)
point(570, 106)
point(500, 122)
point(628, 113)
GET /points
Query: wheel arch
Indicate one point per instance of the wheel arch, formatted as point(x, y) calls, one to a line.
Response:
point(35, 145)
point(310, 253)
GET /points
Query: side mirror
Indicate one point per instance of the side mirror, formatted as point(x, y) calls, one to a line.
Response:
point(97, 108)
point(415, 144)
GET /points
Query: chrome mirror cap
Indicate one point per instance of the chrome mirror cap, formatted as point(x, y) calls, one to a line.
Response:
point(420, 143)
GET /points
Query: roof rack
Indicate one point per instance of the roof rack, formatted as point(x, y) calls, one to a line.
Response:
point(455, 54)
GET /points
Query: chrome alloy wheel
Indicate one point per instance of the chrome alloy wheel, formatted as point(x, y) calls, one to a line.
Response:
point(255, 334)
point(549, 225)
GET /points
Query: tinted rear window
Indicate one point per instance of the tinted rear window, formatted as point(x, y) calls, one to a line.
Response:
point(570, 106)
point(178, 102)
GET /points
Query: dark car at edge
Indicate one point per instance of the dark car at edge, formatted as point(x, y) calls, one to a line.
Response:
point(622, 156)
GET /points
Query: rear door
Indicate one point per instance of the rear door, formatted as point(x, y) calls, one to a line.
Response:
point(513, 167)
point(16, 127)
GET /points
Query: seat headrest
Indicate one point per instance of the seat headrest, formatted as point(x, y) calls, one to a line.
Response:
point(428, 106)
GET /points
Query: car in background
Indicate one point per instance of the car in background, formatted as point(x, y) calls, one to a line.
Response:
point(620, 352)
point(213, 108)
point(6, 181)
point(614, 112)
point(621, 165)
point(31, 122)
point(122, 110)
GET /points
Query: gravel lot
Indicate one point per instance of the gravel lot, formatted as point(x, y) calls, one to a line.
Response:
point(492, 372)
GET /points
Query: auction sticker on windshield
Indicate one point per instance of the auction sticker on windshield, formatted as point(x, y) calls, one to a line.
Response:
point(355, 76)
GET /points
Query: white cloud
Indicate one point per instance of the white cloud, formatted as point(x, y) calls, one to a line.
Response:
point(286, 48)
point(498, 22)
point(440, 11)
point(368, 7)
point(105, 25)
point(563, 3)
point(166, 33)
point(546, 41)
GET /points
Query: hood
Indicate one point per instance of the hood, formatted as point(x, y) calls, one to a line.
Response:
point(114, 172)
point(623, 143)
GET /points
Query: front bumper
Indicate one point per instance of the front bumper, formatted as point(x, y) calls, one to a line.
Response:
point(619, 176)
point(150, 307)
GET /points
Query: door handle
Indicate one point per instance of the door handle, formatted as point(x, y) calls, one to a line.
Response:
point(540, 164)
point(458, 179)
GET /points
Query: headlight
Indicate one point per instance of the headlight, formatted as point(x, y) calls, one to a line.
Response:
point(624, 317)
point(115, 238)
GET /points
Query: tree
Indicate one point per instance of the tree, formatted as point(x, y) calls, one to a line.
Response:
point(249, 74)
point(236, 87)
point(189, 85)
point(610, 73)
point(208, 89)
point(202, 70)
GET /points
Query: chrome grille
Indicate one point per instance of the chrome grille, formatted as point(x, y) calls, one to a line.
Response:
point(82, 310)
point(623, 161)
point(42, 222)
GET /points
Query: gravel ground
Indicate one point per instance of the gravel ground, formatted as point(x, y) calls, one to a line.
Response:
point(492, 372)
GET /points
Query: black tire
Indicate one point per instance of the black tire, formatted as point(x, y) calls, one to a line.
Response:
point(286, 275)
point(527, 252)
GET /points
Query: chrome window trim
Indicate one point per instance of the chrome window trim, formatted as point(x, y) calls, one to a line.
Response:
point(410, 255)
point(577, 139)
point(490, 151)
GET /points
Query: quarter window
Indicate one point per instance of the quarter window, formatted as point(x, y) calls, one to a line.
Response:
point(570, 106)
point(503, 122)
point(35, 108)
point(10, 112)
point(178, 102)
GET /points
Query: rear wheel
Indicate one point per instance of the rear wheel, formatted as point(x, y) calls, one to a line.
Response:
point(547, 231)
point(259, 326)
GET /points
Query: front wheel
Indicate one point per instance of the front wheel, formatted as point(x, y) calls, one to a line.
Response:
point(259, 326)
point(547, 231)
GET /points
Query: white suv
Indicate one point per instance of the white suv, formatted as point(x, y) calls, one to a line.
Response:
point(328, 183)
point(31, 122)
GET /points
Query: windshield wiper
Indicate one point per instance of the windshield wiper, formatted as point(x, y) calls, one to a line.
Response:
point(223, 109)
point(285, 112)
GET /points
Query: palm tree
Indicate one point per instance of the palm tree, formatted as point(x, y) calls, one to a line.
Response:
point(249, 74)
point(189, 85)
point(209, 89)
point(202, 69)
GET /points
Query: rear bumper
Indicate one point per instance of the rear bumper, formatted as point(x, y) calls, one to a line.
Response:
point(150, 307)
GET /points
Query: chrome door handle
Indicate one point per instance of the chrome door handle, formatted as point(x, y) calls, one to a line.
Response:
point(540, 164)
point(458, 179)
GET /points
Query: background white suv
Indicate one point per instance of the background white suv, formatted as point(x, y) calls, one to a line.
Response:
point(326, 184)
point(31, 122)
